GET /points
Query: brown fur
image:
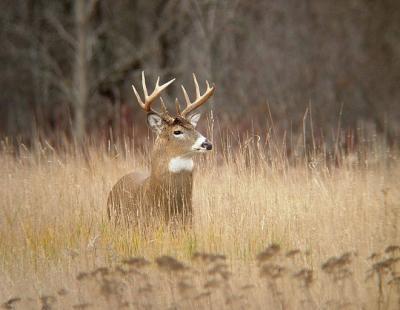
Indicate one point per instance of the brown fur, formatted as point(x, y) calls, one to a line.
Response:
point(161, 193)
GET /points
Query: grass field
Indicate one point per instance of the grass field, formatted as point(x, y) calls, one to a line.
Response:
point(271, 230)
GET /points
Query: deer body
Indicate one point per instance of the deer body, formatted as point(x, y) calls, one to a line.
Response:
point(167, 191)
point(134, 197)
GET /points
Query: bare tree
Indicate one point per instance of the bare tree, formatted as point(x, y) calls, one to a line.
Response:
point(83, 12)
point(76, 59)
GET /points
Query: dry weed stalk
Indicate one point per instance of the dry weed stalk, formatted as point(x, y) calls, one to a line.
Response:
point(386, 275)
point(129, 284)
point(169, 263)
point(11, 303)
point(339, 271)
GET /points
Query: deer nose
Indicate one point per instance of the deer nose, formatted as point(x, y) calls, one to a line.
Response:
point(207, 145)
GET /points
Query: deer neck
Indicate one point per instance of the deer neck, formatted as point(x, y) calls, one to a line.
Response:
point(169, 167)
point(170, 184)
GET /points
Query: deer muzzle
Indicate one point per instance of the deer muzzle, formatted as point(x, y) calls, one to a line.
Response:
point(202, 145)
point(206, 145)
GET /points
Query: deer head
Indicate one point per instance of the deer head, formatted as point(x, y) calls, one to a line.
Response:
point(176, 135)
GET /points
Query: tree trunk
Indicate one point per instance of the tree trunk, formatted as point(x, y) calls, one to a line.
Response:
point(81, 70)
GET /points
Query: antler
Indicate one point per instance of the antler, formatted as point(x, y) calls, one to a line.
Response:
point(200, 99)
point(149, 99)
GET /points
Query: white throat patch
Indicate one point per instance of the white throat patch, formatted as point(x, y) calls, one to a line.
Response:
point(178, 164)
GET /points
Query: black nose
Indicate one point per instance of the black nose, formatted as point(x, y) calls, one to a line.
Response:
point(207, 145)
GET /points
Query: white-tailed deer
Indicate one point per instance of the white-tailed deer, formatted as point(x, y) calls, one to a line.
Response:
point(166, 192)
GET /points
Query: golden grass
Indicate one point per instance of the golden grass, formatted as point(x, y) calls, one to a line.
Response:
point(54, 234)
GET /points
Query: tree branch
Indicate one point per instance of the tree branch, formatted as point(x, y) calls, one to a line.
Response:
point(63, 33)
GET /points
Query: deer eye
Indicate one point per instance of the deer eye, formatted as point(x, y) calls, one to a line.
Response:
point(177, 132)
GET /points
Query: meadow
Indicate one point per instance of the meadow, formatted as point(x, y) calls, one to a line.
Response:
point(313, 228)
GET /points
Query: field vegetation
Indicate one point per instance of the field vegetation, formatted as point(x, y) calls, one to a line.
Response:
point(278, 224)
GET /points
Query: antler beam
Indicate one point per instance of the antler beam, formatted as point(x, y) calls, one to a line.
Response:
point(200, 99)
point(149, 99)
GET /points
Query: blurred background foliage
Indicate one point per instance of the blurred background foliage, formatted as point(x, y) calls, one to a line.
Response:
point(67, 66)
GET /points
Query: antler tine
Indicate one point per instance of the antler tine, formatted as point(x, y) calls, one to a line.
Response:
point(144, 86)
point(200, 99)
point(163, 106)
point(141, 103)
point(164, 112)
point(177, 106)
point(149, 99)
point(196, 85)
point(187, 99)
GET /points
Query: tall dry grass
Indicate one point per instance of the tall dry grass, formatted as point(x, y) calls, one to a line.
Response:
point(292, 232)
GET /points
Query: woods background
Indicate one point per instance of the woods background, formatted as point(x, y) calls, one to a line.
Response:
point(67, 66)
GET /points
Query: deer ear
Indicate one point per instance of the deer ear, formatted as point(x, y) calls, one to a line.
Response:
point(155, 122)
point(194, 118)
